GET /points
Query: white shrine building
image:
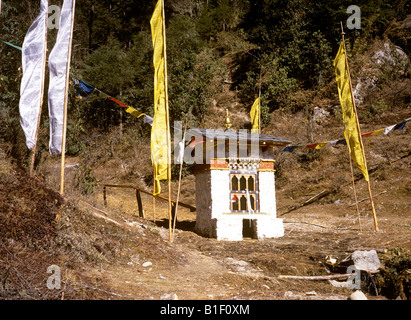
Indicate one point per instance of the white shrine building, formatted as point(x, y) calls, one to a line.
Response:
point(235, 184)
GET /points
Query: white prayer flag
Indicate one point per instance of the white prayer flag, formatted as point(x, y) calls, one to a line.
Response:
point(180, 152)
point(32, 82)
point(388, 129)
point(59, 61)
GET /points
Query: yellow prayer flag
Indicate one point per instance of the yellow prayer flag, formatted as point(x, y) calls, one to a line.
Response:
point(377, 132)
point(255, 114)
point(159, 145)
point(322, 145)
point(351, 133)
point(134, 112)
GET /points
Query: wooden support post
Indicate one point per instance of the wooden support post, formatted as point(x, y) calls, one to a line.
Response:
point(154, 210)
point(63, 142)
point(175, 208)
point(104, 196)
point(140, 204)
point(354, 189)
point(173, 211)
point(168, 123)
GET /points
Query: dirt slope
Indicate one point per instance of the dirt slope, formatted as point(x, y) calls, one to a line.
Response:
point(110, 253)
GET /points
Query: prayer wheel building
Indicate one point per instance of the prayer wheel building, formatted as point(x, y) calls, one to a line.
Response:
point(235, 185)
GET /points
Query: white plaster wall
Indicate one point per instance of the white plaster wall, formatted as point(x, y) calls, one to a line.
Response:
point(213, 207)
point(269, 227)
point(267, 193)
point(220, 192)
point(229, 228)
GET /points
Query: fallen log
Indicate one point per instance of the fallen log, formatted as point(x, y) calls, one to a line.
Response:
point(302, 222)
point(315, 198)
point(328, 277)
point(353, 204)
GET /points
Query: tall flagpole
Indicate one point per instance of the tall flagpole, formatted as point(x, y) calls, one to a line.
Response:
point(259, 105)
point(33, 155)
point(63, 144)
point(359, 132)
point(354, 189)
point(168, 124)
point(179, 182)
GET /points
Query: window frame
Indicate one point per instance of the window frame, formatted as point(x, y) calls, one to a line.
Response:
point(247, 173)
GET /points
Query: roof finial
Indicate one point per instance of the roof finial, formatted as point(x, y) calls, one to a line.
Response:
point(227, 120)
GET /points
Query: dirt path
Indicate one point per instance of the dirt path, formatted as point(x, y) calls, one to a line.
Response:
point(211, 269)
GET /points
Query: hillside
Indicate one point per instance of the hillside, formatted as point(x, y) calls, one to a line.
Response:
point(110, 253)
point(219, 53)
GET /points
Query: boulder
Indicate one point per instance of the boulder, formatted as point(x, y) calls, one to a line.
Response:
point(383, 55)
point(363, 260)
point(357, 295)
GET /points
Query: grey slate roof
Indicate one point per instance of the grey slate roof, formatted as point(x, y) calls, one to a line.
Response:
point(263, 139)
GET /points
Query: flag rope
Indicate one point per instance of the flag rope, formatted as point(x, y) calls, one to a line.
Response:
point(327, 144)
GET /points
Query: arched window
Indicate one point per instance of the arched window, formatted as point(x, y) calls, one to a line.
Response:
point(243, 203)
point(251, 186)
point(243, 183)
point(234, 183)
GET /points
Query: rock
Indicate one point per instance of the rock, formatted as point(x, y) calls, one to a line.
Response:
point(330, 260)
point(320, 114)
point(290, 295)
point(363, 260)
point(390, 54)
point(147, 264)
point(338, 284)
point(161, 277)
point(232, 261)
point(357, 295)
point(311, 293)
point(366, 260)
point(385, 54)
point(169, 296)
point(240, 266)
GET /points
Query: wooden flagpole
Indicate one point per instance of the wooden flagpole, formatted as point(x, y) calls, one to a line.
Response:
point(179, 182)
point(154, 206)
point(259, 105)
point(63, 143)
point(354, 189)
point(33, 155)
point(168, 124)
point(359, 132)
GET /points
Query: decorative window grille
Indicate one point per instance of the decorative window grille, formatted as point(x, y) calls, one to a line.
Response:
point(244, 185)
